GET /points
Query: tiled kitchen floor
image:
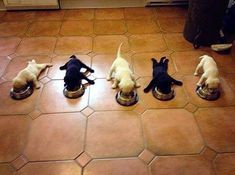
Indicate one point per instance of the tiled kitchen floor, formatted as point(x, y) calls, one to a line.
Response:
point(48, 134)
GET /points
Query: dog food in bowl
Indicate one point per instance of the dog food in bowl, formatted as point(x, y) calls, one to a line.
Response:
point(74, 94)
point(164, 97)
point(22, 93)
point(204, 93)
point(127, 99)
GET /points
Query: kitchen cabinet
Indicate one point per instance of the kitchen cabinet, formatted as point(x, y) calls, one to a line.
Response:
point(31, 4)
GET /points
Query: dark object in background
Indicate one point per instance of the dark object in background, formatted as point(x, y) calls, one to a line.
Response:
point(204, 21)
point(229, 20)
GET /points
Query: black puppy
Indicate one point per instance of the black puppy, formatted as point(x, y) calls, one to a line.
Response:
point(161, 79)
point(73, 77)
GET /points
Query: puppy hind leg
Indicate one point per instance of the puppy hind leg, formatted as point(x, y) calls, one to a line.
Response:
point(87, 79)
point(165, 64)
point(155, 63)
point(109, 76)
point(150, 86)
point(115, 83)
point(162, 60)
point(36, 82)
point(198, 68)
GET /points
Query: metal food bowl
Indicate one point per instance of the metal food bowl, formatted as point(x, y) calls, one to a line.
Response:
point(204, 93)
point(74, 94)
point(161, 96)
point(21, 93)
point(127, 99)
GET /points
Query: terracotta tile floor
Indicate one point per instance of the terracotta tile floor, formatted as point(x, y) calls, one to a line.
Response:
point(48, 134)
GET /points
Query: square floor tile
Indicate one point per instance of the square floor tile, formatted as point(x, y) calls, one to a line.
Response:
point(106, 27)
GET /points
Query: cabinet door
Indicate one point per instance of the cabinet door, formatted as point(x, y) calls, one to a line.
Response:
point(31, 4)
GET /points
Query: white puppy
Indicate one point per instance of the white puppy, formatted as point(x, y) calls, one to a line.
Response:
point(123, 76)
point(29, 74)
point(210, 76)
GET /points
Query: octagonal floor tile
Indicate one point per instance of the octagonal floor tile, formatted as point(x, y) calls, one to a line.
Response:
point(102, 64)
point(147, 99)
point(49, 15)
point(226, 63)
point(6, 170)
point(176, 42)
point(168, 12)
point(53, 100)
point(13, 28)
point(10, 106)
point(36, 46)
point(72, 45)
point(8, 45)
point(107, 134)
point(56, 73)
point(79, 14)
point(225, 164)
point(116, 167)
point(69, 28)
point(138, 13)
point(181, 165)
point(4, 61)
point(186, 62)
point(107, 44)
point(56, 137)
point(142, 26)
point(19, 63)
point(49, 168)
point(151, 43)
point(226, 98)
point(102, 96)
point(172, 24)
point(218, 128)
point(109, 13)
point(44, 28)
point(109, 27)
point(143, 65)
point(171, 131)
point(13, 133)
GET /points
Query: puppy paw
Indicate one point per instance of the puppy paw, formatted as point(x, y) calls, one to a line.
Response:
point(114, 86)
point(146, 90)
point(37, 86)
point(198, 84)
point(179, 83)
point(92, 71)
point(108, 78)
point(195, 73)
point(49, 65)
point(137, 85)
point(92, 82)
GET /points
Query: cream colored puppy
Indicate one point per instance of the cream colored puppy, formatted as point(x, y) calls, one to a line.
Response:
point(123, 76)
point(210, 76)
point(29, 74)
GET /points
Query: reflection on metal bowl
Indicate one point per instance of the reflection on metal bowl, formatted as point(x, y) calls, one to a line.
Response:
point(204, 93)
point(74, 94)
point(164, 97)
point(127, 99)
point(22, 93)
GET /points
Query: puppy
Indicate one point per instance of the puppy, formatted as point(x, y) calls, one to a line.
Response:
point(210, 76)
point(123, 76)
point(161, 79)
point(73, 77)
point(29, 75)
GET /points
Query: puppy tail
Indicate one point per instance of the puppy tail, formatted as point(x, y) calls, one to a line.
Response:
point(119, 51)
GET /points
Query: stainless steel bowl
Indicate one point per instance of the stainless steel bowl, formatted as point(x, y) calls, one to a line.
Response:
point(74, 94)
point(21, 94)
point(127, 99)
point(204, 93)
point(164, 97)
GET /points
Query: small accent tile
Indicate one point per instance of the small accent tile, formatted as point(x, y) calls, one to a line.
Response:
point(191, 107)
point(35, 114)
point(19, 162)
point(83, 159)
point(208, 154)
point(146, 156)
point(87, 111)
point(45, 80)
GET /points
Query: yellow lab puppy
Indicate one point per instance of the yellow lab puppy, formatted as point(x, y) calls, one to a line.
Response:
point(123, 76)
point(29, 74)
point(210, 76)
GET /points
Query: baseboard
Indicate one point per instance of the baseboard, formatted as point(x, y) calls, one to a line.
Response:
point(73, 4)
